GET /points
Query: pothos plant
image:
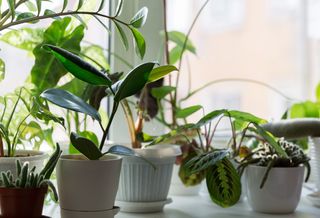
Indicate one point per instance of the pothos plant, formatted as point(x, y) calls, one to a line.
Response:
point(214, 164)
point(133, 82)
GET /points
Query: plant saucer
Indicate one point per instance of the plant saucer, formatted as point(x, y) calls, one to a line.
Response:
point(314, 198)
point(142, 207)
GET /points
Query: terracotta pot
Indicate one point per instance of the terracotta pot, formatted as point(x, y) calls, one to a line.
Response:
point(22, 202)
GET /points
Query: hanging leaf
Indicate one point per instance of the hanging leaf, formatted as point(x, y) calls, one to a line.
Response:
point(223, 182)
point(26, 15)
point(210, 116)
point(2, 70)
point(64, 6)
point(134, 81)
point(119, 8)
point(179, 38)
point(184, 113)
point(80, 3)
point(39, 6)
point(140, 43)
point(139, 19)
point(122, 34)
point(50, 12)
point(78, 67)
point(85, 146)
point(30, 5)
point(101, 6)
point(69, 101)
point(244, 116)
point(12, 9)
point(175, 54)
point(160, 72)
point(162, 91)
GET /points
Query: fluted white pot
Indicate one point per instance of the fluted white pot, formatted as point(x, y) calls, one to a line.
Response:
point(87, 185)
point(142, 187)
point(314, 153)
point(281, 192)
point(34, 158)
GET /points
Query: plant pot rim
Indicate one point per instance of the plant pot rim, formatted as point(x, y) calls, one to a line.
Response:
point(34, 155)
point(28, 188)
point(279, 168)
point(159, 151)
point(82, 158)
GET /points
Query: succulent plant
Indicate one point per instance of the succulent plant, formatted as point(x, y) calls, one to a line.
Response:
point(28, 178)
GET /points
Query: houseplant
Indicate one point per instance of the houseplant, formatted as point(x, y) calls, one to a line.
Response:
point(134, 81)
point(22, 195)
point(274, 181)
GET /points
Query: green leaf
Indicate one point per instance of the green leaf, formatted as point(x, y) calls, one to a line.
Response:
point(24, 38)
point(210, 116)
point(223, 183)
point(47, 71)
point(64, 6)
point(119, 8)
point(175, 54)
point(101, 6)
point(2, 70)
point(161, 92)
point(244, 116)
point(69, 101)
point(179, 38)
point(318, 92)
point(39, 6)
point(140, 43)
point(159, 72)
point(139, 19)
point(50, 165)
point(204, 161)
point(78, 67)
point(297, 111)
point(184, 113)
point(88, 135)
point(80, 3)
point(30, 6)
point(122, 34)
point(121, 150)
point(85, 146)
point(305, 109)
point(79, 18)
point(50, 12)
point(26, 15)
point(134, 81)
point(12, 9)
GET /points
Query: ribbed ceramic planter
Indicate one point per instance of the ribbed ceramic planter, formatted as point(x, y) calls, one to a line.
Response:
point(35, 158)
point(143, 188)
point(87, 186)
point(281, 192)
point(314, 153)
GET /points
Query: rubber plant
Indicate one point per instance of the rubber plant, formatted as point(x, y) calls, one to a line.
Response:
point(133, 82)
point(215, 164)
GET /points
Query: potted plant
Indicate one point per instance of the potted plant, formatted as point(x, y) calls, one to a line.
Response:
point(274, 180)
point(22, 195)
point(19, 126)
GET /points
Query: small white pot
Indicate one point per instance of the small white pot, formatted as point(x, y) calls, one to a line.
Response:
point(178, 188)
point(88, 185)
point(281, 192)
point(34, 158)
point(140, 182)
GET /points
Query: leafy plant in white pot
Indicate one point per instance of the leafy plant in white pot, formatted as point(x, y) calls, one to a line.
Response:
point(274, 178)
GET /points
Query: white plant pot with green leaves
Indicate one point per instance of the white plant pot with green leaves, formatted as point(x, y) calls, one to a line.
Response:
point(144, 183)
point(103, 169)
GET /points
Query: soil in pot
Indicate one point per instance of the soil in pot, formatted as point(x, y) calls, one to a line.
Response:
point(22, 202)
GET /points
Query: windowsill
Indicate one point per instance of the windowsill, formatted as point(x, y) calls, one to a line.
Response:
point(201, 206)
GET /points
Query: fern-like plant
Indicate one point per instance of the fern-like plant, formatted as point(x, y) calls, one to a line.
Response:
point(28, 178)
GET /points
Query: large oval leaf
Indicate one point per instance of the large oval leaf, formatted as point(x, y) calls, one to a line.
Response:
point(134, 81)
point(160, 72)
point(140, 42)
point(139, 18)
point(185, 112)
point(223, 183)
point(69, 101)
point(85, 146)
point(78, 67)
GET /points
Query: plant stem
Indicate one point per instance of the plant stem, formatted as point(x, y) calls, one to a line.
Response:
point(130, 121)
point(1, 147)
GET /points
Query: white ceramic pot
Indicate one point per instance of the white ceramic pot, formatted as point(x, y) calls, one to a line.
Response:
point(88, 185)
point(314, 153)
point(35, 158)
point(178, 188)
point(281, 192)
point(143, 188)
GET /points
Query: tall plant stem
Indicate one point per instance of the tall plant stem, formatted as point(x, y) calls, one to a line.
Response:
point(130, 122)
point(1, 147)
point(106, 131)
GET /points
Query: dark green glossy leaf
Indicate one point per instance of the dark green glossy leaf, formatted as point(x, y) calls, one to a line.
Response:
point(187, 178)
point(134, 81)
point(12, 9)
point(78, 67)
point(139, 19)
point(85, 147)
point(162, 91)
point(2, 70)
point(245, 117)
point(47, 70)
point(204, 161)
point(69, 101)
point(52, 162)
point(140, 43)
point(184, 113)
point(119, 8)
point(122, 34)
point(159, 72)
point(209, 117)
point(121, 150)
point(223, 183)
point(26, 15)
point(179, 38)
point(85, 134)
point(80, 3)
point(64, 6)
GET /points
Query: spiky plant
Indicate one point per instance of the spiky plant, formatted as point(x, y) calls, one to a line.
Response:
point(266, 156)
point(28, 178)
